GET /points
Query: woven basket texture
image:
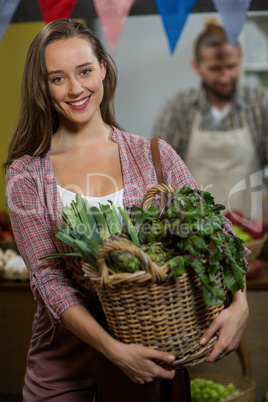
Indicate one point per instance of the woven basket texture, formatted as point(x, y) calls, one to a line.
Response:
point(169, 316)
point(145, 307)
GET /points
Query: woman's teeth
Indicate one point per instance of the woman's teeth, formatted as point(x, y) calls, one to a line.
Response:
point(79, 103)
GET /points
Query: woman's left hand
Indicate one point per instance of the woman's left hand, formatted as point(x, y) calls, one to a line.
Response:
point(229, 325)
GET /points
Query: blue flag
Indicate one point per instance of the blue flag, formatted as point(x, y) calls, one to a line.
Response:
point(233, 14)
point(7, 10)
point(174, 14)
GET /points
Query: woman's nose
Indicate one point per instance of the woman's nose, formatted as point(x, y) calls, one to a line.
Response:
point(75, 87)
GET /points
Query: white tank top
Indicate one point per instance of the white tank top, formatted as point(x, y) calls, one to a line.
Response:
point(117, 198)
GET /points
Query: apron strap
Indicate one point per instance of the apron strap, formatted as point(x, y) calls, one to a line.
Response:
point(158, 168)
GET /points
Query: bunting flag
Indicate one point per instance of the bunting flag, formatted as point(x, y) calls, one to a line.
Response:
point(112, 15)
point(174, 14)
point(233, 15)
point(7, 10)
point(54, 9)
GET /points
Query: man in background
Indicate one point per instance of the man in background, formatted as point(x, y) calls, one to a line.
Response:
point(220, 128)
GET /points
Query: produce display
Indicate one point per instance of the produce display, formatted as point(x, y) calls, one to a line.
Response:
point(204, 390)
point(12, 266)
point(187, 234)
point(242, 234)
point(246, 229)
point(6, 232)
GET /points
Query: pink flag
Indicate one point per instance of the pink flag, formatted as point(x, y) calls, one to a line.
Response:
point(54, 9)
point(112, 15)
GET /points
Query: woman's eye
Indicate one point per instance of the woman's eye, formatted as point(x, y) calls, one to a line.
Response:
point(57, 80)
point(86, 72)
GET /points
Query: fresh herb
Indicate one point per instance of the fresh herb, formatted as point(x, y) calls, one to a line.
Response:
point(191, 233)
point(188, 234)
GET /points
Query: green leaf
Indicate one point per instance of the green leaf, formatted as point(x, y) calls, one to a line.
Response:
point(86, 252)
point(87, 217)
point(178, 265)
point(67, 239)
point(59, 255)
point(101, 223)
point(130, 227)
point(111, 219)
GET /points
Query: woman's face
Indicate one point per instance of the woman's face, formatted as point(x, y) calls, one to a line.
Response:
point(75, 80)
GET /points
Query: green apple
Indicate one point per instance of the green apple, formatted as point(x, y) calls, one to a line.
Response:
point(242, 234)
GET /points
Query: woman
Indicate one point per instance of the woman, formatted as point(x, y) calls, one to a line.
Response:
point(67, 141)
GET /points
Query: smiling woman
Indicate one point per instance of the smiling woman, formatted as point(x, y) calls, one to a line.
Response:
point(67, 138)
point(76, 88)
point(78, 82)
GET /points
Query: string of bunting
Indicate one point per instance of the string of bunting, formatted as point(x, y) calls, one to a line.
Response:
point(233, 15)
point(113, 14)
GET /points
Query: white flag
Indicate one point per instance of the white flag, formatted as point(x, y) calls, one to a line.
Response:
point(233, 14)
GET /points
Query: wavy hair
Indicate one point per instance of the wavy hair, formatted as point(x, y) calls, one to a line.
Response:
point(37, 119)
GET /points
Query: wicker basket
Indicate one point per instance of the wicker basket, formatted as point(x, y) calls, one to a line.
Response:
point(255, 246)
point(243, 383)
point(145, 307)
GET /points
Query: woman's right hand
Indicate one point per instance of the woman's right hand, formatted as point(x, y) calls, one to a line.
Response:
point(138, 362)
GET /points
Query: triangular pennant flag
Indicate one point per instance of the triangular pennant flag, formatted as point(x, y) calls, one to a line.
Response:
point(112, 15)
point(233, 15)
point(7, 10)
point(174, 14)
point(54, 9)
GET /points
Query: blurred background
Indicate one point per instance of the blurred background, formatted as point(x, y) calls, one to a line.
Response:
point(147, 74)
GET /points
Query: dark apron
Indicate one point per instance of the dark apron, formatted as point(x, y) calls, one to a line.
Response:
point(63, 368)
point(115, 386)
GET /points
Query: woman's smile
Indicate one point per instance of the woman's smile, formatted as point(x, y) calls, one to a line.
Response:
point(79, 104)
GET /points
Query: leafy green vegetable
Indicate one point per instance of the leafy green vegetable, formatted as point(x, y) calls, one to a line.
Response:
point(191, 227)
point(188, 234)
point(87, 228)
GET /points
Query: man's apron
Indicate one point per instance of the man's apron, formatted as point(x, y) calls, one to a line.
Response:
point(226, 165)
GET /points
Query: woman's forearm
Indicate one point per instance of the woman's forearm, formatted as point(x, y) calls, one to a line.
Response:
point(79, 321)
point(137, 361)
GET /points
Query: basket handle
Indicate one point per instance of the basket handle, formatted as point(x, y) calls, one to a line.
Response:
point(149, 196)
point(155, 272)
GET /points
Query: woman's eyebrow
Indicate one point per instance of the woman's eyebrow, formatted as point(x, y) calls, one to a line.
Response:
point(79, 66)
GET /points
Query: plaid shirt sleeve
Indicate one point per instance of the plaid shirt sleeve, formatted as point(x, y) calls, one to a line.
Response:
point(51, 283)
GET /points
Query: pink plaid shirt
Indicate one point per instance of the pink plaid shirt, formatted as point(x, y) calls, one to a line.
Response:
point(34, 201)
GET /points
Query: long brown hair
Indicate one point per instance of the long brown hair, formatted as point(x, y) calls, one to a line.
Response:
point(213, 35)
point(37, 119)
